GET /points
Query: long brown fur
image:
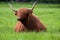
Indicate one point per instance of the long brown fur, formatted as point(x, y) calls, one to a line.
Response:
point(19, 27)
point(28, 21)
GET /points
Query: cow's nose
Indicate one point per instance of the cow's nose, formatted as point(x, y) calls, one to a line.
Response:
point(18, 18)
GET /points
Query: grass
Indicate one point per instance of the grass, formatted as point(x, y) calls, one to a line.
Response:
point(49, 14)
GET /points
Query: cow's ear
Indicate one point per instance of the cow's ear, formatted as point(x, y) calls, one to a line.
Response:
point(16, 13)
point(30, 11)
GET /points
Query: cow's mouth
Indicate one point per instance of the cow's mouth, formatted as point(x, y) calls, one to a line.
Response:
point(22, 20)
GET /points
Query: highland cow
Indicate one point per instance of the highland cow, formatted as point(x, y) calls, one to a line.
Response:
point(27, 20)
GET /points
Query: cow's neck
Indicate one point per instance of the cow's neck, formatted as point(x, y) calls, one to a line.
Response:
point(24, 22)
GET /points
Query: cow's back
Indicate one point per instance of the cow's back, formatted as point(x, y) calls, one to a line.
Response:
point(35, 23)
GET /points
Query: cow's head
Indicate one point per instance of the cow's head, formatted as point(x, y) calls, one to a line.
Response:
point(23, 13)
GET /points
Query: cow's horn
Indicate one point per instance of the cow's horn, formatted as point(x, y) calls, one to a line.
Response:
point(34, 5)
point(12, 7)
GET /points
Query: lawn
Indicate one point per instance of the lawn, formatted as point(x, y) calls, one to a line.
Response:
point(49, 14)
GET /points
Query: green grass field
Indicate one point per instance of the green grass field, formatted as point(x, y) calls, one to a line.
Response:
point(49, 14)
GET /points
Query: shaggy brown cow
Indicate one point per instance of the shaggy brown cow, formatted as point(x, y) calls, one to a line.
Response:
point(27, 20)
